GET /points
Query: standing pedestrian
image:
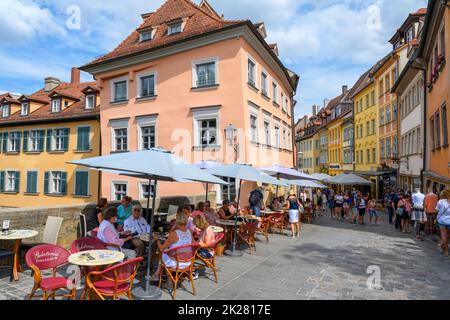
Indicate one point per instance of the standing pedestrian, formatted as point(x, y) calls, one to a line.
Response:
point(418, 215)
point(355, 210)
point(389, 205)
point(331, 203)
point(361, 208)
point(339, 202)
point(295, 208)
point(430, 204)
point(443, 218)
point(256, 201)
point(408, 213)
point(372, 208)
point(347, 204)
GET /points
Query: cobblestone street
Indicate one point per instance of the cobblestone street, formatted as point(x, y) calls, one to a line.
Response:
point(330, 261)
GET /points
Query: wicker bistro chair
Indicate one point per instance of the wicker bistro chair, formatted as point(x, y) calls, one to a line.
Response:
point(278, 221)
point(264, 228)
point(51, 233)
point(247, 235)
point(44, 257)
point(114, 281)
point(181, 254)
point(210, 262)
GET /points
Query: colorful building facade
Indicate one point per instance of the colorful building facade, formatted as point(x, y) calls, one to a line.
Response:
point(40, 133)
point(179, 80)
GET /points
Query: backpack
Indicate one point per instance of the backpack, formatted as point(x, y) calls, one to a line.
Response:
point(255, 197)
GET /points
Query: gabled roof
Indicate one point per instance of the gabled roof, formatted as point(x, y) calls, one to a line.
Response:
point(208, 8)
point(10, 99)
point(412, 17)
point(199, 20)
point(74, 111)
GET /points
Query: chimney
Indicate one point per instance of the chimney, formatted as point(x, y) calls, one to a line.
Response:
point(314, 110)
point(75, 76)
point(325, 102)
point(51, 83)
point(344, 90)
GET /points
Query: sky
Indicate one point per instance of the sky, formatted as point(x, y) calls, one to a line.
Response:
point(329, 43)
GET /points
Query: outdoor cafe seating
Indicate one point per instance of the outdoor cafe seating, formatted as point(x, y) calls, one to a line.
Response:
point(210, 262)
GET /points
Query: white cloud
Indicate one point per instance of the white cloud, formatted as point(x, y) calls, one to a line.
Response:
point(24, 20)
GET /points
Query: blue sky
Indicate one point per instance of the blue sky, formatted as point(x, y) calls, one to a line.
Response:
point(329, 43)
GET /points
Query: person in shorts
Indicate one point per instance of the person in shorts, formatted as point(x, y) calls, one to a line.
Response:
point(443, 219)
point(361, 208)
point(373, 211)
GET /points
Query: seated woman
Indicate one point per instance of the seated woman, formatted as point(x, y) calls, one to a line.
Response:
point(210, 214)
point(224, 212)
point(200, 210)
point(108, 234)
point(207, 237)
point(180, 236)
point(276, 205)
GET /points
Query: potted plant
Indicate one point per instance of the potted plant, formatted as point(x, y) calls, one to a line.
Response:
point(220, 248)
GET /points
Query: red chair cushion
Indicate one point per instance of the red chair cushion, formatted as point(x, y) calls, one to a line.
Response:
point(107, 287)
point(53, 283)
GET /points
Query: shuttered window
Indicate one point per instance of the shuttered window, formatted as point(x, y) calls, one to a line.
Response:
point(32, 182)
point(81, 183)
point(83, 138)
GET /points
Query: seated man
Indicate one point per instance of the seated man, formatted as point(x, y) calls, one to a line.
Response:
point(137, 226)
point(225, 212)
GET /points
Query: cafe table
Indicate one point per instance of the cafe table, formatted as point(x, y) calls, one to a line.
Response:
point(217, 229)
point(95, 259)
point(229, 226)
point(17, 236)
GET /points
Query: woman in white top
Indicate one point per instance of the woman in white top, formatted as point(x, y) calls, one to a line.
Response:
point(443, 219)
point(181, 236)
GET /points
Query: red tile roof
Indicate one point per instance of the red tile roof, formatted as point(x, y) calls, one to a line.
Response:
point(76, 110)
point(200, 20)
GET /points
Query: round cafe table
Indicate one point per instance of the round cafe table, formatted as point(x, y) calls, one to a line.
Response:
point(217, 229)
point(17, 236)
point(229, 225)
point(96, 258)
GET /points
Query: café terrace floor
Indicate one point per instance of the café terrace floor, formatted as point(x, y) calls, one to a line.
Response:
point(330, 261)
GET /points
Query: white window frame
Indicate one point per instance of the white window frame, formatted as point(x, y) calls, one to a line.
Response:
point(277, 129)
point(195, 63)
point(152, 34)
point(6, 111)
point(119, 124)
point(253, 112)
point(206, 114)
point(37, 179)
point(113, 188)
point(266, 83)
point(139, 76)
point(171, 25)
point(113, 82)
point(142, 122)
point(88, 96)
point(30, 140)
point(141, 191)
point(75, 182)
point(267, 119)
point(51, 183)
point(54, 141)
point(56, 105)
point(275, 92)
point(9, 143)
point(7, 187)
point(255, 71)
point(24, 109)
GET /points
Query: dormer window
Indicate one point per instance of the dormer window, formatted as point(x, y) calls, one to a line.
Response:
point(174, 28)
point(90, 101)
point(24, 110)
point(146, 35)
point(56, 105)
point(5, 111)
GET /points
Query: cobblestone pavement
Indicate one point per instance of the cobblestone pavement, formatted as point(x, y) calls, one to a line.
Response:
point(330, 261)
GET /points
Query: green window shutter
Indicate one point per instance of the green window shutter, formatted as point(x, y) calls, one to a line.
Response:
point(31, 182)
point(17, 181)
point(46, 182)
point(2, 181)
point(63, 182)
point(18, 141)
point(26, 135)
point(66, 139)
point(1, 142)
point(49, 139)
point(5, 142)
point(81, 183)
point(41, 140)
point(83, 138)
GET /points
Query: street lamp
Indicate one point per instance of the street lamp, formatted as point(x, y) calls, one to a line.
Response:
point(231, 138)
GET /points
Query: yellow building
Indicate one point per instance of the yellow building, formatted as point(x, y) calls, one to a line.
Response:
point(308, 146)
point(40, 133)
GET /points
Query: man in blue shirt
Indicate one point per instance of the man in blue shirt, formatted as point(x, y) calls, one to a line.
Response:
point(256, 201)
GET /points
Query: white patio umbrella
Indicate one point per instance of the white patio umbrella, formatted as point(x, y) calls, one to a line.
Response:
point(207, 165)
point(153, 164)
point(242, 172)
point(306, 183)
point(350, 180)
point(321, 176)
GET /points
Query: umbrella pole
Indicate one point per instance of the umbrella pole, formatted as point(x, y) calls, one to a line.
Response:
point(278, 177)
point(233, 252)
point(207, 185)
point(149, 292)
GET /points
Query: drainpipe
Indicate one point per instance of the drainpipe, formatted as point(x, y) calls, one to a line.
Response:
point(99, 184)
